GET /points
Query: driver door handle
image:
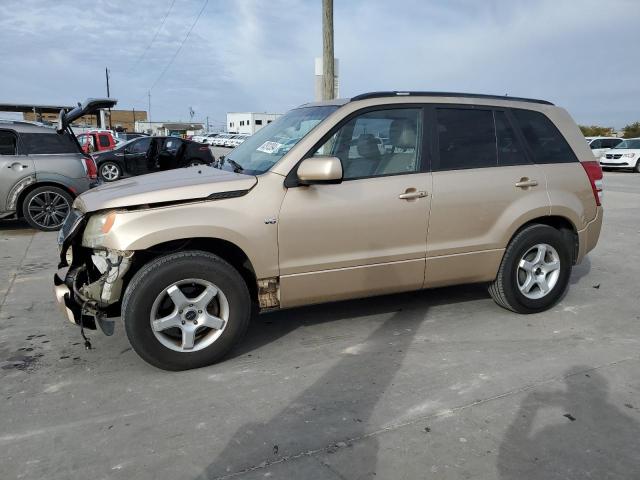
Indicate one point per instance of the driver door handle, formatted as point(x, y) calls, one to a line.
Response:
point(411, 194)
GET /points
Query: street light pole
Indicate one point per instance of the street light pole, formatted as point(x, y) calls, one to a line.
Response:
point(328, 77)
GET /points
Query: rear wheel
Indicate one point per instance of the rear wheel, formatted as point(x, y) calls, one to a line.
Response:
point(194, 162)
point(46, 208)
point(535, 270)
point(185, 310)
point(110, 171)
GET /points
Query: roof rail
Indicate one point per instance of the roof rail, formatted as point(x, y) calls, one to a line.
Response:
point(364, 96)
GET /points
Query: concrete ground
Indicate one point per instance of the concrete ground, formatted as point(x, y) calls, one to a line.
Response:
point(440, 384)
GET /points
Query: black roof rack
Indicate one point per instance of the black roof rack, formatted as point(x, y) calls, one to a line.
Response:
point(364, 96)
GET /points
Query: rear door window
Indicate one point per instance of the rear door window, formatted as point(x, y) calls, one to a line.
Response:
point(7, 143)
point(466, 139)
point(545, 141)
point(597, 143)
point(48, 143)
point(510, 149)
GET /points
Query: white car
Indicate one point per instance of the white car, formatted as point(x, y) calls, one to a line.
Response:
point(209, 138)
point(237, 140)
point(220, 140)
point(199, 138)
point(600, 145)
point(624, 156)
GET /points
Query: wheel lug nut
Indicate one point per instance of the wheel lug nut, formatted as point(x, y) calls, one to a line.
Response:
point(183, 322)
point(180, 311)
point(195, 322)
point(199, 311)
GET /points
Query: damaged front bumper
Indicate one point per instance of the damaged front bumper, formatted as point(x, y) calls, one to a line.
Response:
point(88, 281)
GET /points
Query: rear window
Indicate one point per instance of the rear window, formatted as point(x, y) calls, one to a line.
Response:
point(545, 141)
point(104, 141)
point(7, 143)
point(48, 143)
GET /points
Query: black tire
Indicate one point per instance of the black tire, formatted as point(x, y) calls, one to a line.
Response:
point(150, 281)
point(115, 171)
point(192, 162)
point(637, 169)
point(505, 291)
point(36, 203)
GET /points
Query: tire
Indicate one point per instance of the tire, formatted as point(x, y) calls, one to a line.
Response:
point(637, 169)
point(192, 162)
point(46, 208)
point(110, 171)
point(508, 289)
point(148, 293)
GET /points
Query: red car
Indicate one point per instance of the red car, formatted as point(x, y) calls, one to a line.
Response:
point(96, 141)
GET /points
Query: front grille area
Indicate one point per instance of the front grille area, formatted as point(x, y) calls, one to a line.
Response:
point(614, 156)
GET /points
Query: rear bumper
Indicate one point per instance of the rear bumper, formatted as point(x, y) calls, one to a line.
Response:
point(588, 237)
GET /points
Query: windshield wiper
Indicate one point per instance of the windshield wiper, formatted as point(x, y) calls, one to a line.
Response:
point(237, 168)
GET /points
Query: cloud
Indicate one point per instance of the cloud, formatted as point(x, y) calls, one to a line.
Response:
point(253, 55)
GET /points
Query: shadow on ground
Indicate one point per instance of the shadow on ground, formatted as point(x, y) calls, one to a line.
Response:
point(580, 434)
point(338, 406)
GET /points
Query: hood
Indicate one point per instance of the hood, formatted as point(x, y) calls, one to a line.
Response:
point(182, 184)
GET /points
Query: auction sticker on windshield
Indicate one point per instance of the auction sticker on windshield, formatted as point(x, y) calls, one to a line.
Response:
point(269, 147)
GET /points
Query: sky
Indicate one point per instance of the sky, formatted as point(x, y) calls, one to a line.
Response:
point(248, 55)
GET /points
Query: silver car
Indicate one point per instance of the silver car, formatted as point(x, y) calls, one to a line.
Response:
point(44, 169)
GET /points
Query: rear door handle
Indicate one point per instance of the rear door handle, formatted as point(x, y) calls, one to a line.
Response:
point(525, 183)
point(410, 195)
point(18, 165)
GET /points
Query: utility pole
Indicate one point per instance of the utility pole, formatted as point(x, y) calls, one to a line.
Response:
point(328, 77)
point(149, 112)
point(134, 119)
point(106, 72)
point(207, 123)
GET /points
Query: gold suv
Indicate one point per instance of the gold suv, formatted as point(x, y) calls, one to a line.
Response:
point(384, 192)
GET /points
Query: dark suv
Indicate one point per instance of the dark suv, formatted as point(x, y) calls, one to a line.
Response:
point(42, 172)
point(151, 154)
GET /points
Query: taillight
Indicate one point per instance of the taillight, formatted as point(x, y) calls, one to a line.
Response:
point(594, 172)
point(90, 167)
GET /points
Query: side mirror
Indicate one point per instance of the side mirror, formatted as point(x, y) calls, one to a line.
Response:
point(318, 170)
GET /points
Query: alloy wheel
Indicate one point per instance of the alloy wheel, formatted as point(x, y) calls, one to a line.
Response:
point(189, 315)
point(538, 271)
point(109, 172)
point(48, 209)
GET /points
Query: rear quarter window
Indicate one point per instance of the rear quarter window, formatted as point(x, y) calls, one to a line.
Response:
point(48, 143)
point(544, 139)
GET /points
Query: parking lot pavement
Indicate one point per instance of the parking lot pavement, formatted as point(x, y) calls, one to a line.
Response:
point(441, 384)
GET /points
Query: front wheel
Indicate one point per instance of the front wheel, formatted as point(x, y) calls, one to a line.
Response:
point(185, 310)
point(637, 169)
point(535, 270)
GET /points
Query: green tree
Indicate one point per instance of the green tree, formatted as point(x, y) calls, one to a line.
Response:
point(596, 131)
point(632, 130)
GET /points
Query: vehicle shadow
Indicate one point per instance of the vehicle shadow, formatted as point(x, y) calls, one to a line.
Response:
point(13, 224)
point(269, 327)
point(580, 271)
point(585, 435)
point(339, 405)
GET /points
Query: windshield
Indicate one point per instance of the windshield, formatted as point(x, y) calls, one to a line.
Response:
point(260, 151)
point(633, 143)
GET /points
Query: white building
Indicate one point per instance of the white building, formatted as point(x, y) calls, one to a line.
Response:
point(169, 128)
point(248, 122)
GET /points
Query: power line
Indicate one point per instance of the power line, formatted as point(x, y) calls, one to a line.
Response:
point(180, 47)
point(164, 19)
